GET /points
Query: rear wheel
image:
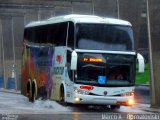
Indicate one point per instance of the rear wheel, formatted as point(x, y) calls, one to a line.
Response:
point(29, 94)
point(33, 97)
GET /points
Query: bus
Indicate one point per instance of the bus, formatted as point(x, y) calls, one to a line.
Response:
point(80, 59)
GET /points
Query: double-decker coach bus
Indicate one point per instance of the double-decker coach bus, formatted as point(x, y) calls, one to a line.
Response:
point(80, 59)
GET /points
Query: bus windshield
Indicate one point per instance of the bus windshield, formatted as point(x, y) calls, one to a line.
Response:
point(106, 69)
point(104, 37)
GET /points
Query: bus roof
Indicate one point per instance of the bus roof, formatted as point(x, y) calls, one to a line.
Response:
point(79, 19)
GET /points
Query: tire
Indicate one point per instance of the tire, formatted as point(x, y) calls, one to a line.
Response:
point(30, 98)
point(62, 97)
point(29, 94)
point(33, 97)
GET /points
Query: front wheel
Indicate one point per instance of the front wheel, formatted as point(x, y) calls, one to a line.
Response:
point(29, 93)
point(29, 97)
point(34, 92)
point(33, 98)
point(62, 97)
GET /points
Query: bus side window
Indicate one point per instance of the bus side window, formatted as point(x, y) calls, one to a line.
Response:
point(57, 34)
point(28, 34)
point(40, 34)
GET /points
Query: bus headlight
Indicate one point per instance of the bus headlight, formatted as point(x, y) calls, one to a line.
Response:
point(128, 94)
point(81, 91)
point(76, 99)
point(130, 102)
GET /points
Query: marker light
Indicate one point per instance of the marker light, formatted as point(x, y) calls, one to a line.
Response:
point(76, 99)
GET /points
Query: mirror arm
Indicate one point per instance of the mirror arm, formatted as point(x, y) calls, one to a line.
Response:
point(140, 62)
point(74, 58)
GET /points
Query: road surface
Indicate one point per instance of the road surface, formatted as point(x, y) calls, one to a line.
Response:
point(17, 106)
point(142, 94)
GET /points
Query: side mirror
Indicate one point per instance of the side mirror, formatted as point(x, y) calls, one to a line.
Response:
point(74, 60)
point(140, 63)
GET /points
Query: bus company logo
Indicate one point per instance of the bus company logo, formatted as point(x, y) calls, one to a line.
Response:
point(59, 58)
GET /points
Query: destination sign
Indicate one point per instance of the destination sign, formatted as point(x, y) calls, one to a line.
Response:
point(92, 60)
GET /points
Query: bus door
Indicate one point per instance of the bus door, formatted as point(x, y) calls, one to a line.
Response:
point(58, 66)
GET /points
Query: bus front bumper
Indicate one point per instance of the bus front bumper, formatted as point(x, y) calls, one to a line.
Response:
point(103, 100)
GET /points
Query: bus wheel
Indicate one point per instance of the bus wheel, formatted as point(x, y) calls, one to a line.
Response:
point(62, 96)
point(115, 106)
point(33, 97)
point(29, 94)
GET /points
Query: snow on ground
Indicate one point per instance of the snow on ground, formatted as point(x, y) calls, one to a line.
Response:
point(49, 105)
point(19, 104)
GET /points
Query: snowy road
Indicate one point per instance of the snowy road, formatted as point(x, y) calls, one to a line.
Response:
point(17, 103)
point(11, 103)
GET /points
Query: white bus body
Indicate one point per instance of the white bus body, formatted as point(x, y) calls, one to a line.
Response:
point(82, 74)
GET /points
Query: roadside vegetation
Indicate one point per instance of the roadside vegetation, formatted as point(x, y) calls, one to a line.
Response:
point(143, 78)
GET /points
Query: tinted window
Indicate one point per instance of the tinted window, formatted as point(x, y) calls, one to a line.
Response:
point(27, 34)
point(53, 33)
point(104, 37)
point(106, 69)
point(39, 34)
point(57, 33)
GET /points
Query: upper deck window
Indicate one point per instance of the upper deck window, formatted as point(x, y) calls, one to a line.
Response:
point(51, 33)
point(104, 37)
